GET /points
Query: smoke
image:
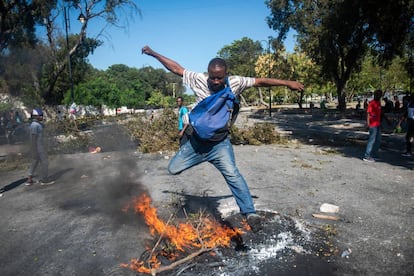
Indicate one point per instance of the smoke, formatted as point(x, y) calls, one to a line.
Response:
point(100, 184)
point(121, 191)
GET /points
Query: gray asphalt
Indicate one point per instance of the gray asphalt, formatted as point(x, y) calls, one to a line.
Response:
point(77, 226)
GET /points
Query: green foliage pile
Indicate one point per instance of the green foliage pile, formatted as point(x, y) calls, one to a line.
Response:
point(258, 134)
point(158, 133)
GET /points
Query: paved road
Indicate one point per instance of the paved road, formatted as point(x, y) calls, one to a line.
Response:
point(76, 227)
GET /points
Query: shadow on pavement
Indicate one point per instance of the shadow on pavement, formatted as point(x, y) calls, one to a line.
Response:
point(13, 185)
point(193, 204)
point(343, 131)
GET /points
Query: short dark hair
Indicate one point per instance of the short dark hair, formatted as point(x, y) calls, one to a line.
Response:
point(377, 94)
point(181, 98)
point(217, 62)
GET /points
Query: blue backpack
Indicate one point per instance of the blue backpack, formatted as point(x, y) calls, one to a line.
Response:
point(211, 118)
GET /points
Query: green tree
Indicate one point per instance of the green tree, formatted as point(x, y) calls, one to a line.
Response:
point(159, 80)
point(303, 69)
point(21, 73)
point(97, 92)
point(393, 77)
point(157, 99)
point(338, 34)
point(270, 65)
point(241, 57)
point(55, 81)
point(88, 10)
point(18, 18)
point(119, 85)
point(132, 90)
point(18, 21)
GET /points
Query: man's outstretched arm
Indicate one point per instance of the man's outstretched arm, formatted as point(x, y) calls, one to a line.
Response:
point(266, 82)
point(170, 64)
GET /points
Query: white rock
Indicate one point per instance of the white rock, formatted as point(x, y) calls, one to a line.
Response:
point(329, 208)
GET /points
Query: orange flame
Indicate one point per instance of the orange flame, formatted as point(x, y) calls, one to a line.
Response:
point(207, 234)
point(139, 266)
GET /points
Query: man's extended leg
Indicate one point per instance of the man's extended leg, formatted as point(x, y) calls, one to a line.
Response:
point(222, 157)
point(185, 158)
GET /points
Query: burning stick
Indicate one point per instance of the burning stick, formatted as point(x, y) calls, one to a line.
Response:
point(179, 262)
point(158, 242)
point(206, 236)
point(202, 250)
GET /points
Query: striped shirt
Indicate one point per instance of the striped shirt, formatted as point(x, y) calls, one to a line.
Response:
point(198, 83)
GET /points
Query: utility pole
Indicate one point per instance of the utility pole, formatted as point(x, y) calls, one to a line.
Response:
point(269, 69)
point(82, 19)
point(268, 75)
point(72, 97)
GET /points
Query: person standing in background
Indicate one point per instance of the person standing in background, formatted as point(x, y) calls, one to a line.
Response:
point(374, 115)
point(397, 104)
point(39, 153)
point(183, 126)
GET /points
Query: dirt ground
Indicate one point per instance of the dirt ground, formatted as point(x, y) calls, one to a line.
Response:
point(77, 226)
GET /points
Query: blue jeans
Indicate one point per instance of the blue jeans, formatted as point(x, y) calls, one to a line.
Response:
point(374, 142)
point(221, 155)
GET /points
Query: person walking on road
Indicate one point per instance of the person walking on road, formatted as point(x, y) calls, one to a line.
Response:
point(374, 118)
point(39, 153)
point(219, 153)
point(409, 116)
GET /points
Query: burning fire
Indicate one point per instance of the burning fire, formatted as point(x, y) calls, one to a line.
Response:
point(205, 233)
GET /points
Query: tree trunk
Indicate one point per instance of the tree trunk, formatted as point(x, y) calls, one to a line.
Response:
point(340, 86)
point(261, 98)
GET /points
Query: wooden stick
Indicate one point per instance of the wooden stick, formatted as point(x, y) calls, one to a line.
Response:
point(189, 257)
point(181, 261)
point(159, 239)
point(325, 217)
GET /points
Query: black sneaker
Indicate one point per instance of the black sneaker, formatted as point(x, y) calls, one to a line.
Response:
point(255, 222)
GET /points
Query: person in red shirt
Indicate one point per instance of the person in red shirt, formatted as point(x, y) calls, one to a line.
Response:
point(374, 125)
